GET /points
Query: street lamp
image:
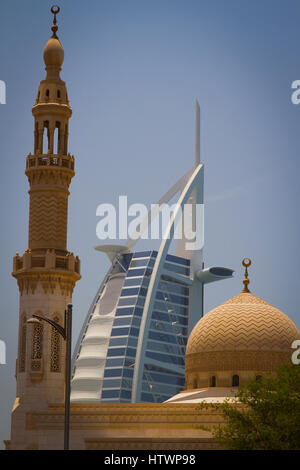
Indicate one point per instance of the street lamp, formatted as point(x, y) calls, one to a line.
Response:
point(66, 333)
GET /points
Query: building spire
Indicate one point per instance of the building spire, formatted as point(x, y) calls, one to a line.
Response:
point(197, 133)
point(246, 263)
point(55, 9)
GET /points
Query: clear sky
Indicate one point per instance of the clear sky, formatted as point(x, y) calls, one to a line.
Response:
point(133, 70)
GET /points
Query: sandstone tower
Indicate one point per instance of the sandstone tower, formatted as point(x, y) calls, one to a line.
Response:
point(47, 271)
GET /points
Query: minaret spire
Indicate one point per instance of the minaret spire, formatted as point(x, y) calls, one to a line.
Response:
point(197, 133)
point(246, 263)
point(55, 9)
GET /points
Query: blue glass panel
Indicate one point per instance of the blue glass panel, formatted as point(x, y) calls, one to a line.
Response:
point(169, 317)
point(136, 321)
point(166, 348)
point(125, 394)
point(151, 263)
point(141, 301)
point(134, 331)
point(128, 372)
point(177, 259)
point(166, 286)
point(135, 272)
point(121, 321)
point(125, 260)
point(142, 254)
point(139, 262)
point(124, 311)
point(176, 330)
point(115, 362)
point(132, 342)
point(111, 383)
point(132, 291)
point(172, 298)
point(148, 397)
point(161, 336)
point(127, 301)
point(133, 282)
point(148, 272)
point(129, 362)
point(164, 307)
point(165, 378)
point(165, 358)
point(130, 352)
point(115, 352)
point(119, 331)
point(110, 393)
point(177, 269)
point(143, 291)
point(113, 372)
point(138, 311)
point(118, 341)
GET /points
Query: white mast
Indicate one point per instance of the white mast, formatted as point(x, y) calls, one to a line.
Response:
point(197, 133)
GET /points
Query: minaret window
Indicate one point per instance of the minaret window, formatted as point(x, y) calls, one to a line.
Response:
point(66, 140)
point(47, 93)
point(235, 380)
point(22, 347)
point(57, 137)
point(45, 138)
point(58, 93)
point(213, 381)
point(37, 342)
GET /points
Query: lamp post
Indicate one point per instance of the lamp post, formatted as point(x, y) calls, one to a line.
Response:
point(66, 333)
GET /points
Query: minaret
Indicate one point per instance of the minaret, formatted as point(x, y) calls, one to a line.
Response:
point(47, 271)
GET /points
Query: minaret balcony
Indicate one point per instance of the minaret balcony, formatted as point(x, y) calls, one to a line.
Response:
point(50, 160)
point(49, 261)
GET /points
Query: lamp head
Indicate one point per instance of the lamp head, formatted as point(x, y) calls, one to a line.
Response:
point(33, 321)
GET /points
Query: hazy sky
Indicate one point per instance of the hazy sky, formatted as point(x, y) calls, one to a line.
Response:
point(133, 70)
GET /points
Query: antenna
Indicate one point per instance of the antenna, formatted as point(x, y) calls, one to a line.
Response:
point(197, 133)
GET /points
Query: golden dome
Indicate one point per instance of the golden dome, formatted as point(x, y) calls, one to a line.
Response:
point(244, 334)
point(54, 52)
point(243, 323)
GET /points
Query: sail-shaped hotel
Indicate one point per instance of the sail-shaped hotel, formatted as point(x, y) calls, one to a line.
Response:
point(132, 344)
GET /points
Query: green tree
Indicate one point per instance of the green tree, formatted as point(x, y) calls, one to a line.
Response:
point(266, 415)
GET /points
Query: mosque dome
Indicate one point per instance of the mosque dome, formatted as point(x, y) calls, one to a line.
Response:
point(54, 53)
point(242, 337)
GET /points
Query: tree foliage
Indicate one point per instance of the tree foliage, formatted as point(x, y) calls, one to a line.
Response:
point(266, 415)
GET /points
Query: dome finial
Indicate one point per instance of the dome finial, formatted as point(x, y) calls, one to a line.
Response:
point(246, 263)
point(55, 9)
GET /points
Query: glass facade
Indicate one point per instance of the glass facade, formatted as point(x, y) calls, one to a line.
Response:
point(166, 338)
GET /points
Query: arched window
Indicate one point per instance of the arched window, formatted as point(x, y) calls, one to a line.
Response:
point(66, 140)
point(235, 380)
point(55, 359)
point(37, 342)
point(47, 93)
point(58, 93)
point(37, 347)
point(213, 381)
point(22, 344)
point(45, 138)
point(56, 138)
